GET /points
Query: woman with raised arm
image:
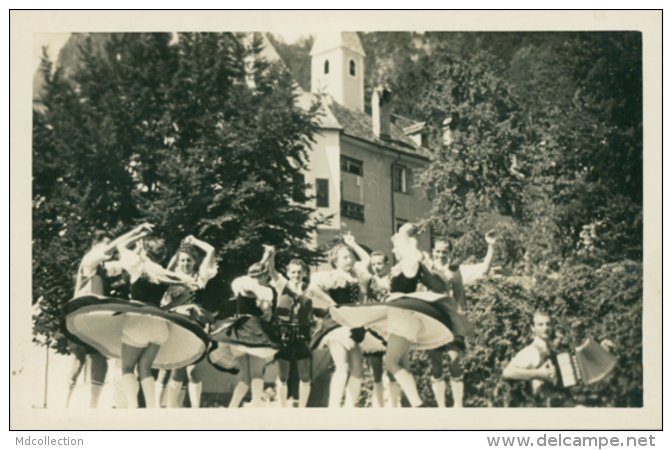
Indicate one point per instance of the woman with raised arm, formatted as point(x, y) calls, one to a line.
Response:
point(294, 314)
point(93, 274)
point(139, 332)
point(409, 319)
point(191, 262)
point(247, 342)
point(342, 285)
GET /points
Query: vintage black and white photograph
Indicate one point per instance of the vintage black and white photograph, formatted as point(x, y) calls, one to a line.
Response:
point(363, 220)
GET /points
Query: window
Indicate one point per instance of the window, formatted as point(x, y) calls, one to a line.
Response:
point(326, 66)
point(322, 192)
point(399, 223)
point(352, 210)
point(299, 187)
point(399, 179)
point(352, 166)
point(352, 67)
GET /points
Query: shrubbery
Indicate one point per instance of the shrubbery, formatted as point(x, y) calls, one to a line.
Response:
point(603, 304)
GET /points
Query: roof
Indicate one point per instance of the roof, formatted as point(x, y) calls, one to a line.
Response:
point(329, 41)
point(401, 121)
point(326, 117)
point(268, 51)
point(359, 125)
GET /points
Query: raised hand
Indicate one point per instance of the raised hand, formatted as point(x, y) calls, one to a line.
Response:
point(490, 237)
point(269, 250)
point(408, 229)
point(146, 227)
point(349, 239)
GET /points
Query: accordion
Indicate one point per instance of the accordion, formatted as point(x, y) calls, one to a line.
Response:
point(588, 364)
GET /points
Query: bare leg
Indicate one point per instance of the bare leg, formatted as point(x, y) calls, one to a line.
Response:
point(129, 359)
point(98, 373)
point(456, 380)
point(340, 376)
point(438, 383)
point(304, 387)
point(283, 375)
point(355, 360)
point(195, 386)
point(376, 363)
point(177, 378)
point(244, 383)
point(394, 389)
point(397, 349)
point(257, 375)
point(79, 357)
point(162, 386)
point(145, 373)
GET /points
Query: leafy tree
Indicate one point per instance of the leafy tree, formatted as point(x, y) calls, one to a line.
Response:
point(583, 93)
point(296, 56)
point(477, 139)
point(185, 134)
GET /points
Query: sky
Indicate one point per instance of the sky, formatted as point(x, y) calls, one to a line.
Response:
point(55, 41)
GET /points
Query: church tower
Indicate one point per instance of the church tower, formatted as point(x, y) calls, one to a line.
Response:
point(337, 68)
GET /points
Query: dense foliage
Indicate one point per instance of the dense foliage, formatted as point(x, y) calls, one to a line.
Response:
point(584, 302)
point(194, 135)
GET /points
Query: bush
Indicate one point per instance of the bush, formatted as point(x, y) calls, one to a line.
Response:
point(603, 303)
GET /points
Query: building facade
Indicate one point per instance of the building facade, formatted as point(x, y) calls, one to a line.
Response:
point(363, 167)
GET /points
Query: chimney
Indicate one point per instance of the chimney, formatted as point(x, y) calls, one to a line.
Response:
point(381, 107)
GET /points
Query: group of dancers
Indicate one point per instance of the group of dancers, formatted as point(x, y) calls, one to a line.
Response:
point(363, 307)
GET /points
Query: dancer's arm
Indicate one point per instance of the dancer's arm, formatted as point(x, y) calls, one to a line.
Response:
point(125, 240)
point(208, 267)
point(316, 291)
point(364, 257)
point(172, 265)
point(471, 273)
point(269, 256)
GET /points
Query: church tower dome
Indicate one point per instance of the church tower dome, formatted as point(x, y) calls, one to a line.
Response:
point(337, 68)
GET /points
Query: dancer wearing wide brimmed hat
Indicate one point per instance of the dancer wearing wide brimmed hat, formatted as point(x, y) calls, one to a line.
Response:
point(246, 342)
point(195, 259)
point(409, 319)
point(138, 331)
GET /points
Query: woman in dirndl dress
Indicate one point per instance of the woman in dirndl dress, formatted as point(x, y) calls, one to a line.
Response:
point(410, 319)
point(138, 331)
point(143, 334)
point(189, 261)
point(247, 342)
point(339, 286)
point(294, 315)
